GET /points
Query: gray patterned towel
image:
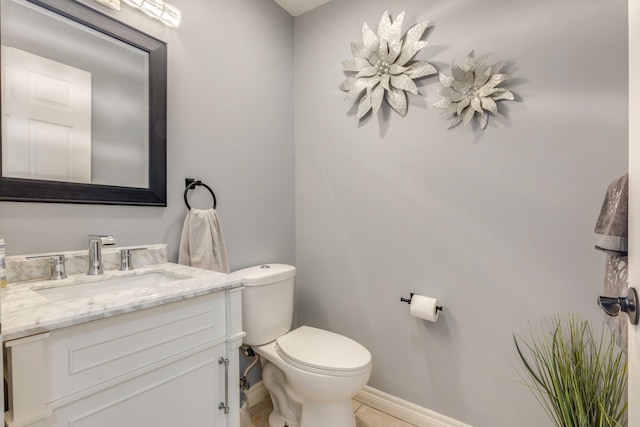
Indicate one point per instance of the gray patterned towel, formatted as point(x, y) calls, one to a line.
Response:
point(611, 227)
point(611, 237)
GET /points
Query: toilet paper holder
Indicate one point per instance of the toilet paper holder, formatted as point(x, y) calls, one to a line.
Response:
point(408, 301)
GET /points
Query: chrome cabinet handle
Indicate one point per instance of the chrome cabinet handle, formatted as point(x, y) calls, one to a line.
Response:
point(225, 405)
point(629, 304)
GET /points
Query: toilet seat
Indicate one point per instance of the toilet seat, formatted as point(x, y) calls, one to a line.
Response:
point(323, 352)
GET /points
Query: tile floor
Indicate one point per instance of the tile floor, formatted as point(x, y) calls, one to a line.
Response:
point(366, 416)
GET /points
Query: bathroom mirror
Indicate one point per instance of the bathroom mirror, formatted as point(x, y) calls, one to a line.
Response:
point(83, 107)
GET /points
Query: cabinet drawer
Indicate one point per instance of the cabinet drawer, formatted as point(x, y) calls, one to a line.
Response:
point(92, 356)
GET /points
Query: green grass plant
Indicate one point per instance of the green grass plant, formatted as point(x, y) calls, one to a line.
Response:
point(580, 381)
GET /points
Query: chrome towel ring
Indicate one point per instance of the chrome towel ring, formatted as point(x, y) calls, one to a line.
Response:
point(192, 184)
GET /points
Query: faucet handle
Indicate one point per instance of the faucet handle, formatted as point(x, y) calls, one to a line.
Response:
point(57, 271)
point(125, 258)
point(105, 239)
point(612, 306)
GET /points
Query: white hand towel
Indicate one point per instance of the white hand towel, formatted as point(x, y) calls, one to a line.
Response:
point(202, 243)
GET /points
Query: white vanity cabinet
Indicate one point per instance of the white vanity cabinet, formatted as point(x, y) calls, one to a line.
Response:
point(162, 366)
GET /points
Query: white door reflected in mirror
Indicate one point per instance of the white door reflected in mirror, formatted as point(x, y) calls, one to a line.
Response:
point(47, 123)
point(110, 105)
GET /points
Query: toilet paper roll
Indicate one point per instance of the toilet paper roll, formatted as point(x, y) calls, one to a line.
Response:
point(424, 308)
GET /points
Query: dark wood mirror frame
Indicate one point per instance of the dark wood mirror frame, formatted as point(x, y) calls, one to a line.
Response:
point(31, 190)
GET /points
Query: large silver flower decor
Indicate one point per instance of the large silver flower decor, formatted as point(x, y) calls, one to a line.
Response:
point(383, 66)
point(472, 89)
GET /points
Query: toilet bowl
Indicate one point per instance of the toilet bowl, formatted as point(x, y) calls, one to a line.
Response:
point(311, 374)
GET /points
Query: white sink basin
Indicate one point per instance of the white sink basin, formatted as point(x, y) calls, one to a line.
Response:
point(94, 288)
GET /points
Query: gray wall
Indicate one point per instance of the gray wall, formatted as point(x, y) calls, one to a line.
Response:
point(230, 124)
point(497, 224)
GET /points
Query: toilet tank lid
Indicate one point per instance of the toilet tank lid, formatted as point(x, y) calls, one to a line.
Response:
point(265, 274)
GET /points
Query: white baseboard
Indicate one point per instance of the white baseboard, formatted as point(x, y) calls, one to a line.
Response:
point(406, 411)
point(383, 402)
point(256, 394)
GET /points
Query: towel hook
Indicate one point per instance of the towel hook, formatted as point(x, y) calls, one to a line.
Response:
point(191, 184)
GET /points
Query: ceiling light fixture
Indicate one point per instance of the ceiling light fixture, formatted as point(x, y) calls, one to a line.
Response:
point(152, 7)
point(165, 12)
point(171, 15)
point(113, 4)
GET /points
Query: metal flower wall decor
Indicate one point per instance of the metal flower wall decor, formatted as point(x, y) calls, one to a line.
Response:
point(383, 66)
point(472, 89)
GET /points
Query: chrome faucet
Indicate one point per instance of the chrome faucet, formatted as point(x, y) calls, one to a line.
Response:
point(95, 252)
point(57, 265)
point(125, 258)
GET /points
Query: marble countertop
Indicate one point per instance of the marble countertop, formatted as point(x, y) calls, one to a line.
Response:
point(25, 312)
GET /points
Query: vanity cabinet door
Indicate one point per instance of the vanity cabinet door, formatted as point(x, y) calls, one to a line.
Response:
point(184, 393)
point(153, 367)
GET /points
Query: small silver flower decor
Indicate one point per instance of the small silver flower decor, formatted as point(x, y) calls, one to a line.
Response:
point(383, 66)
point(472, 89)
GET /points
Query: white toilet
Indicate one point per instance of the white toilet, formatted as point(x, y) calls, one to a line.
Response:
point(311, 374)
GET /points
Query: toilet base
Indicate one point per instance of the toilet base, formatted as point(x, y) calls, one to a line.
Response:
point(307, 397)
point(323, 414)
point(277, 420)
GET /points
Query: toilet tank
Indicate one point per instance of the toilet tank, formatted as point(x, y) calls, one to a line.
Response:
point(267, 302)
